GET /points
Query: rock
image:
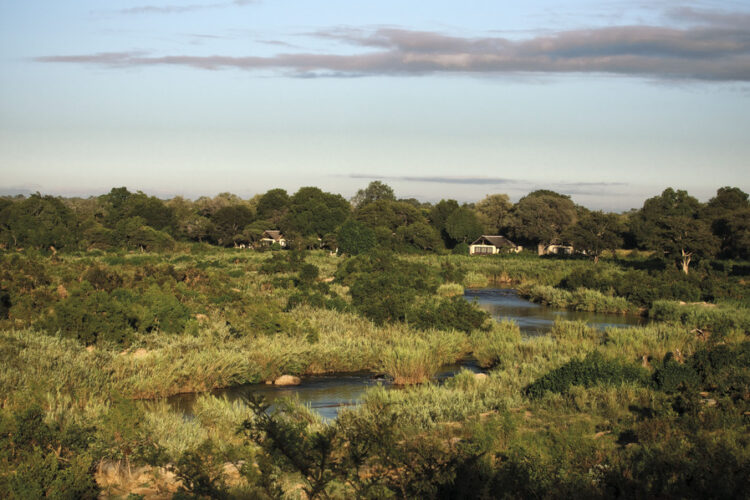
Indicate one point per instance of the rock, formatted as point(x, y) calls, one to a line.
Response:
point(480, 376)
point(202, 318)
point(140, 353)
point(287, 380)
point(90, 348)
point(62, 292)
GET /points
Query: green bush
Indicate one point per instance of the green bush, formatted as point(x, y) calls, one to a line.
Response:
point(594, 369)
point(446, 314)
point(48, 460)
point(716, 320)
point(91, 317)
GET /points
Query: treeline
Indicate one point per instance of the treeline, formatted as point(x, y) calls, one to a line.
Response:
point(674, 225)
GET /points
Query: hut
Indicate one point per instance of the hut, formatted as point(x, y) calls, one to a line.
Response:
point(492, 244)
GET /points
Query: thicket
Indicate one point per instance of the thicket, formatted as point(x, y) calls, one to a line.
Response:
point(385, 288)
point(643, 287)
point(592, 370)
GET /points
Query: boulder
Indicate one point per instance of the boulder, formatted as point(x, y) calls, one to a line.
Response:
point(287, 380)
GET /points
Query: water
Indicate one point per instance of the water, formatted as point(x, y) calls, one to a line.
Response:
point(535, 319)
point(328, 394)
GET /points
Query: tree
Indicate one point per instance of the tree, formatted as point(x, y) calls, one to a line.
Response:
point(374, 191)
point(420, 235)
point(595, 232)
point(541, 217)
point(495, 211)
point(738, 225)
point(122, 204)
point(670, 224)
point(389, 213)
point(229, 222)
point(313, 212)
point(39, 222)
point(724, 212)
point(439, 216)
point(354, 238)
point(463, 225)
point(273, 205)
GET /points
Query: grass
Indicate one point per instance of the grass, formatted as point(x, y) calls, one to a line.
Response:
point(558, 436)
point(581, 299)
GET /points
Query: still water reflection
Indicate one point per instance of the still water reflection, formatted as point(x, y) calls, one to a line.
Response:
point(536, 319)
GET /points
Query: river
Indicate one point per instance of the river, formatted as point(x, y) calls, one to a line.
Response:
point(327, 394)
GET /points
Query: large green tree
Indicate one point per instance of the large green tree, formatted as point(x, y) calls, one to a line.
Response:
point(389, 213)
point(355, 238)
point(670, 224)
point(463, 225)
point(494, 210)
point(541, 217)
point(374, 191)
point(229, 222)
point(273, 205)
point(315, 213)
point(725, 213)
point(595, 232)
point(39, 222)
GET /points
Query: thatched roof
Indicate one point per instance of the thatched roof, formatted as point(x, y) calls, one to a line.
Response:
point(273, 234)
point(498, 241)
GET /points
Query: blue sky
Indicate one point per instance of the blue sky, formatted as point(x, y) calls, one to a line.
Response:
point(609, 102)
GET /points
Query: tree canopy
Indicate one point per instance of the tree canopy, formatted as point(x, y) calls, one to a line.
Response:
point(670, 224)
point(542, 216)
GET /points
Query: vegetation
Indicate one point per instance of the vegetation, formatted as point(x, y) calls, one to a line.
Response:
point(109, 303)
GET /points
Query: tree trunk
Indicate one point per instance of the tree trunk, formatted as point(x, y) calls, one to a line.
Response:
point(540, 248)
point(686, 256)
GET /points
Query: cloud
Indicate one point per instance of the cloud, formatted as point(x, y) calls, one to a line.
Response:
point(178, 9)
point(717, 48)
point(515, 186)
point(483, 181)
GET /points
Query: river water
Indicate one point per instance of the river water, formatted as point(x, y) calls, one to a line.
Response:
point(327, 394)
point(535, 319)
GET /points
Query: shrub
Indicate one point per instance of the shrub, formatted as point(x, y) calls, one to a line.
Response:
point(445, 314)
point(474, 279)
point(592, 370)
point(450, 290)
point(92, 317)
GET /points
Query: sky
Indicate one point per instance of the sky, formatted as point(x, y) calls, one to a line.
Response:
point(609, 102)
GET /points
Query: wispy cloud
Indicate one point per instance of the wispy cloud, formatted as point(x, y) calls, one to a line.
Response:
point(177, 9)
point(483, 181)
point(714, 46)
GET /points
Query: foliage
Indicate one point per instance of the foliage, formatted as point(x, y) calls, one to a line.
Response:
point(38, 222)
point(229, 222)
point(591, 370)
point(542, 217)
point(354, 238)
point(594, 233)
point(313, 212)
point(446, 314)
point(495, 211)
point(463, 225)
point(374, 191)
point(670, 223)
